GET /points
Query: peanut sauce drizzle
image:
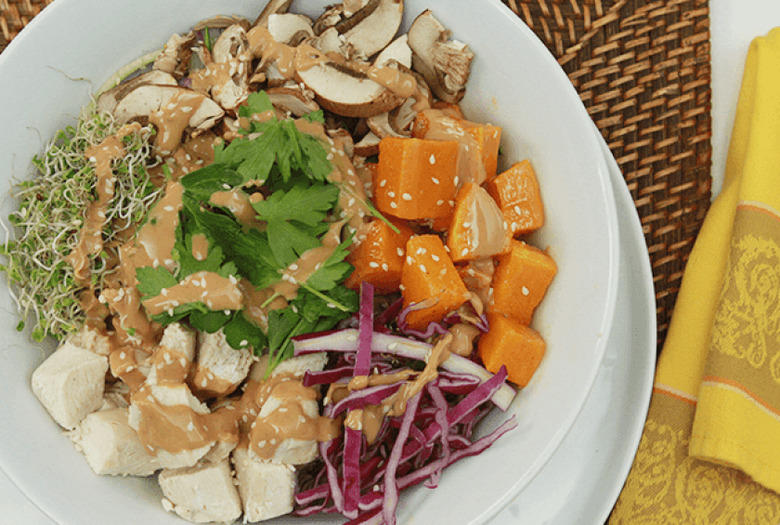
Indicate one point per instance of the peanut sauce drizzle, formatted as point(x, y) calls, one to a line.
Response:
point(369, 419)
point(91, 234)
point(173, 118)
point(210, 288)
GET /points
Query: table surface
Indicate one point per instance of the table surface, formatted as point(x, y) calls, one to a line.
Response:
point(734, 23)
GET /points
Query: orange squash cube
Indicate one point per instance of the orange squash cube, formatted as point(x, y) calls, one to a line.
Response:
point(379, 258)
point(511, 344)
point(521, 281)
point(429, 278)
point(517, 193)
point(488, 139)
point(416, 178)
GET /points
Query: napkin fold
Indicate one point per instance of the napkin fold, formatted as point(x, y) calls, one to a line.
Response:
point(710, 450)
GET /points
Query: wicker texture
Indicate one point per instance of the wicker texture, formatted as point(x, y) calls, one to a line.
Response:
point(15, 14)
point(642, 68)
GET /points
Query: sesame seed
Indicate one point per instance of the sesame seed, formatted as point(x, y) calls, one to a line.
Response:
point(518, 210)
point(422, 269)
point(391, 194)
point(464, 252)
point(435, 180)
point(435, 257)
point(400, 252)
point(385, 267)
point(382, 183)
point(467, 225)
point(432, 159)
point(408, 259)
point(373, 264)
point(525, 291)
point(439, 202)
point(393, 205)
point(406, 197)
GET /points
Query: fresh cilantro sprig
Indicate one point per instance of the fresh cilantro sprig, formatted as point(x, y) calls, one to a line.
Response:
point(292, 168)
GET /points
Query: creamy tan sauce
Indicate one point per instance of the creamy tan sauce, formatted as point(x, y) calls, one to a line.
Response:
point(173, 118)
point(90, 241)
point(238, 202)
point(210, 288)
point(200, 247)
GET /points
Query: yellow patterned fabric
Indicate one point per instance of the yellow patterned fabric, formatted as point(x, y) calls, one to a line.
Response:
point(710, 451)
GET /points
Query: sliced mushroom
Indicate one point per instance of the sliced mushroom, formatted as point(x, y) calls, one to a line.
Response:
point(271, 8)
point(444, 63)
point(368, 145)
point(373, 27)
point(289, 29)
point(329, 18)
point(221, 22)
point(231, 87)
point(366, 27)
point(175, 56)
point(343, 89)
point(328, 41)
point(398, 121)
point(397, 50)
point(191, 109)
point(292, 101)
point(108, 100)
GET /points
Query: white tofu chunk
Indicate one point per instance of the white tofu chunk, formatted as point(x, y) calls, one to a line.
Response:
point(219, 368)
point(201, 494)
point(267, 489)
point(70, 383)
point(177, 396)
point(291, 451)
point(111, 446)
point(90, 339)
point(174, 355)
point(297, 366)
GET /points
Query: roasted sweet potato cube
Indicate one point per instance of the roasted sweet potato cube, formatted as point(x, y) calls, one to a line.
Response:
point(429, 279)
point(379, 257)
point(513, 345)
point(415, 178)
point(517, 193)
point(521, 281)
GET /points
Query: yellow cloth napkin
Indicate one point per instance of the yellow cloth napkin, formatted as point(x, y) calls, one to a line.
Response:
point(710, 451)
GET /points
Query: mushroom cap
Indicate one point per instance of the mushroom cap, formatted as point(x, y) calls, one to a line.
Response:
point(444, 64)
point(368, 145)
point(289, 28)
point(146, 99)
point(397, 50)
point(373, 26)
point(343, 90)
point(108, 100)
point(292, 100)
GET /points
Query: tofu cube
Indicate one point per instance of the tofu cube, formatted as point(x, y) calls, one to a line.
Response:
point(70, 383)
point(219, 368)
point(267, 489)
point(201, 494)
point(111, 446)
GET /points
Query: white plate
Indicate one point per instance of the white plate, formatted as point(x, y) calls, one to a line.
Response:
point(582, 481)
point(43, 87)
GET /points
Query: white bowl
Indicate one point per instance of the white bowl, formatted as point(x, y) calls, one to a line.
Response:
point(45, 78)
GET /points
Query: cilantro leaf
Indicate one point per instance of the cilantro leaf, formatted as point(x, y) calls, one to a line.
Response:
point(200, 184)
point(151, 281)
point(333, 271)
point(296, 218)
point(240, 332)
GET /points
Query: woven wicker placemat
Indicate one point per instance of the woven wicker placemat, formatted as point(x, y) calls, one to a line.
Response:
point(642, 68)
